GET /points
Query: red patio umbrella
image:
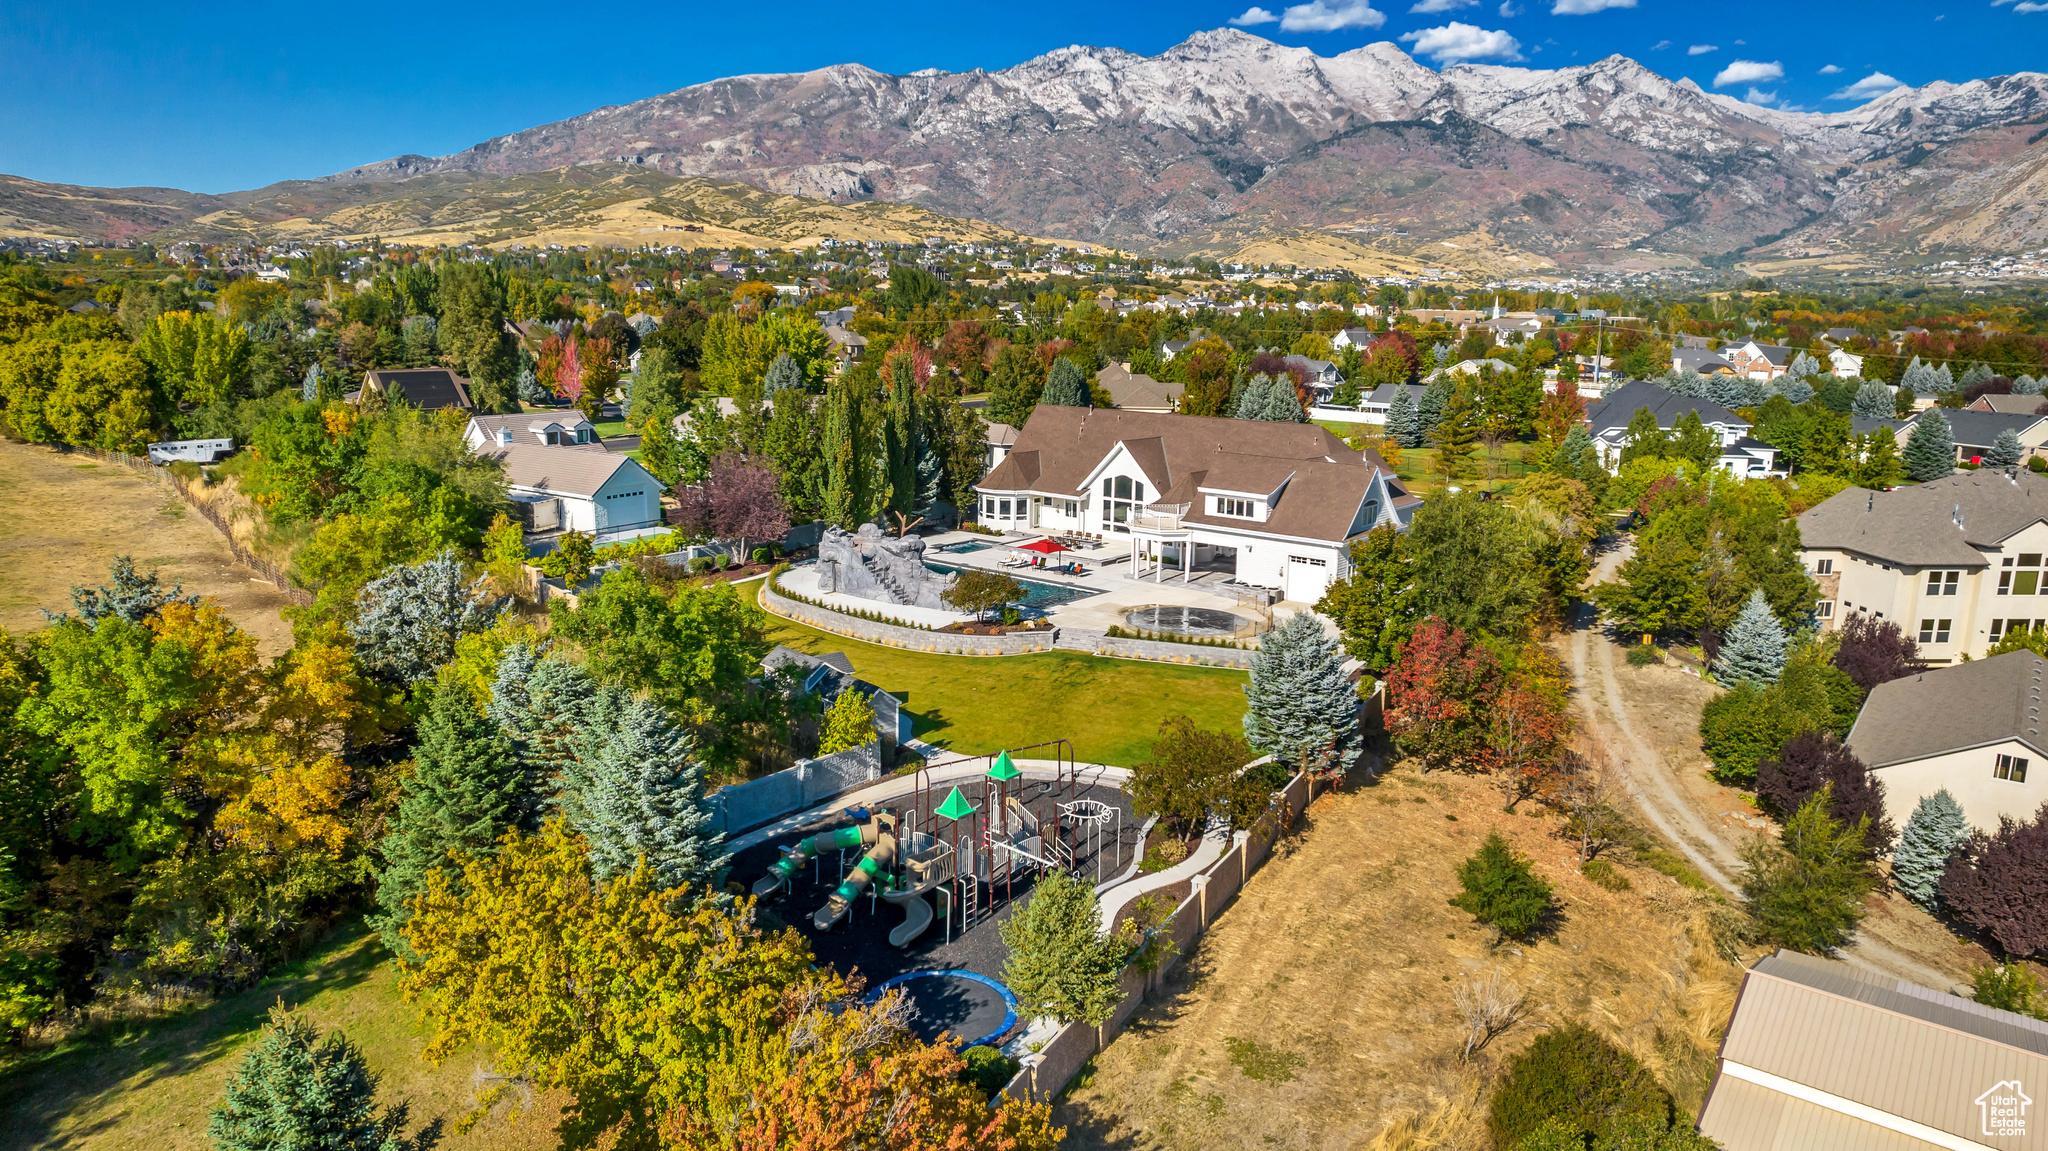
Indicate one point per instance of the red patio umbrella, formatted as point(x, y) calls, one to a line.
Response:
point(1046, 547)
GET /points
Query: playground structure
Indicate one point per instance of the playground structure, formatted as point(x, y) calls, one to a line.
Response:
point(969, 850)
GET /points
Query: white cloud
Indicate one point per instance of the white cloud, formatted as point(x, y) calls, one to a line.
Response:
point(1749, 72)
point(2026, 6)
point(1869, 88)
point(1660, 45)
point(1443, 5)
point(1323, 16)
point(1741, 43)
point(1702, 49)
point(1757, 96)
point(1455, 41)
point(1587, 7)
point(1253, 16)
point(1831, 70)
point(1507, 9)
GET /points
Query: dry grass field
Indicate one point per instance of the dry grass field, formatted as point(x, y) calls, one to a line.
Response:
point(70, 515)
point(1318, 1013)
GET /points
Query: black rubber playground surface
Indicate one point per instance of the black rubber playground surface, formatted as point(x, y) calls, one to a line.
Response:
point(860, 942)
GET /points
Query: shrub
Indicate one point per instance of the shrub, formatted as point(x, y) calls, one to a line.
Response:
point(1644, 655)
point(760, 555)
point(1742, 727)
point(1501, 889)
point(1012, 617)
point(2010, 987)
point(988, 1069)
point(1605, 874)
point(1576, 1080)
point(1812, 760)
point(1807, 892)
point(1059, 964)
point(1998, 884)
point(702, 564)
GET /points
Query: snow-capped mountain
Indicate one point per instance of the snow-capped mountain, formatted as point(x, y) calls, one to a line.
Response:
point(1231, 135)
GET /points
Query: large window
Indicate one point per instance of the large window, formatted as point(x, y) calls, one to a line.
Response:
point(1232, 507)
point(1934, 630)
point(1120, 495)
point(1943, 582)
point(2010, 768)
point(2020, 575)
point(1823, 567)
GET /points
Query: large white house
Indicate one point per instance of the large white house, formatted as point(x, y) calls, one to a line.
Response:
point(1607, 422)
point(1956, 562)
point(1974, 729)
point(1273, 505)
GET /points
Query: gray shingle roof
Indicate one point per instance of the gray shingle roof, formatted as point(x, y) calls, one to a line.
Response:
point(544, 468)
point(1980, 429)
point(1947, 709)
point(1619, 406)
point(1915, 526)
point(525, 424)
point(428, 389)
point(2010, 404)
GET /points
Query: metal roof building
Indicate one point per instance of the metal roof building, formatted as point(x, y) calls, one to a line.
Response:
point(1823, 1057)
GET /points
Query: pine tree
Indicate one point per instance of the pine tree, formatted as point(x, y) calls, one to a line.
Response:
point(1802, 366)
point(1571, 455)
point(128, 596)
point(1931, 449)
point(410, 617)
point(1978, 374)
point(1754, 649)
point(1643, 438)
point(295, 1091)
point(466, 788)
point(1404, 423)
point(1301, 709)
point(2007, 451)
point(1932, 835)
point(1795, 391)
point(1873, 402)
point(2028, 386)
point(1455, 437)
point(635, 792)
point(1283, 405)
point(1919, 377)
point(1066, 386)
point(783, 374)
point(1431, 410)
point(309, 390)
point(542, 705)
point(1944, 381)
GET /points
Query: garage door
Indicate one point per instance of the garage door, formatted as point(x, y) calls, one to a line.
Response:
point(1307, 578)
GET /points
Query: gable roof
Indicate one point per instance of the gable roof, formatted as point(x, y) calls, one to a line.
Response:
point(550, 469)
point(1060, 448)
point(1699, 360)
point(1773, 354)
point(1979, 429)
point(1613, 411)
point(1384, 394)
point(428, 389)
point(2008, 403)
point(1128, 389)
point(1947, 709)
point(525, 424)
point(1915, 525)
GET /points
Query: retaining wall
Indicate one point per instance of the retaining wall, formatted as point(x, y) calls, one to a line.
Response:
point(1159, 651)
point(748, 805)
point(1072, 1046)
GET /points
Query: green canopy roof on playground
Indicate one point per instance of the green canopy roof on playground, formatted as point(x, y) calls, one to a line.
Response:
point(1004, 769)
point(956, 806)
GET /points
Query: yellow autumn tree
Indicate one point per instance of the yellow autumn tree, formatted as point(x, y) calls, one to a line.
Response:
point(198, 355)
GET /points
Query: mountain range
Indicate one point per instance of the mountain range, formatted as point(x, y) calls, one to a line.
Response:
point(1227, 141)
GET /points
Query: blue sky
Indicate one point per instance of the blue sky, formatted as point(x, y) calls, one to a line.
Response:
point(233, 95)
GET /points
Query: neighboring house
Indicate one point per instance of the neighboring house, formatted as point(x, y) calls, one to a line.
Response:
point(1136, 392)
point(847, 346)
point(1700, 360)
point(1845, 364)
point(1475, 367)
point(428, 389)
point(836, 318)
point(1272, 504)
point(999, 439)
point(1974, 729)
point(1976, 430)
point(830, 675)
point(598, 492)
point(1172, 348)
point(193, 451)
point(1352, 338)
point(2008, 404)
point(1374, 406)
point(1608, 419)
point(1754, 361)
point(1956, 562)
point(567, 429)
point(727, 407)
point(1822, 1056)
point(1504, 327)
point(1323, 376)
point(1840, 335)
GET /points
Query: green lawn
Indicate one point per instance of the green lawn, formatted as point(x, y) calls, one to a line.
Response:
point(1109, 708)
point(609, 428)
point(1417, 468)
point(151, 1084)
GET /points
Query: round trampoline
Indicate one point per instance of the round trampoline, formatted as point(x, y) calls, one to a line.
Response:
point(1176, 619)
point(969, 1005)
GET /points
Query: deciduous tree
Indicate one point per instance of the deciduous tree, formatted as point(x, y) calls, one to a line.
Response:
point(1998, 884)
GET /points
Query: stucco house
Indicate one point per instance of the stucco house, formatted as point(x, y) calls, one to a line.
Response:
point(597, 492)
point(1754, 361)
point(1273, 505)
point(1973, 728)
point(1956, 562)
point(1975, 430)
point(1607, 422)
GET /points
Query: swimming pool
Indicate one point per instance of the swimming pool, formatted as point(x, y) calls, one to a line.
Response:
point(964, 548)
point(1037, 593)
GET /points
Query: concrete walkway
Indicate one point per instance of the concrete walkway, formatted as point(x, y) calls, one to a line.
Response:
point(1216, 840)
point(943, 771)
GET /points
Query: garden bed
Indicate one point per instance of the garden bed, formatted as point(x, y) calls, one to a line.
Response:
point(970, 627)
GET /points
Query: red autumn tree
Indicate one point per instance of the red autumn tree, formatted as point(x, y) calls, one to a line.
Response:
point(739, 500)
point(569, 371)
point(964, 347)
point(1525, 738)
point(911, 348)
point(1401, 343)
point(1559, 413)
point(1204, 366)
point(1437, 691)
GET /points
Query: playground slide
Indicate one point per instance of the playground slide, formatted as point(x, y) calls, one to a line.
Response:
point(794, 859)
point(917, 915)
point(879, 858)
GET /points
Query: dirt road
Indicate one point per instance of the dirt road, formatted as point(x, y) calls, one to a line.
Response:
point(1648, 719)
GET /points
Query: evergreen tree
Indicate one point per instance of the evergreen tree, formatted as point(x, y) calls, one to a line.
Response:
point(1014, 385)
point(1500, 888)
point(2028, 386)
point(851, 494)
point(913, 468)
point(466, 788)
point(1692, 442)
point(410, 617)
point(1066, 385)
point(2007, 451)
point(1430, 411)
point(309, 390)
point(1919, 377)
point(1404, 423)
point(1931, 449)
point(1283, 404)
point(1803, 366)
point(297, 1092)
point(1689, 384)
point(1455, 437)
point(131, 597)
point(1643, 438)
point(1873, 402)
point(657, 383)
point(1932, 835)
point(542, 704)
point(1796, 391)
point(1977, 374)
point(635, 792)
point(1944, 381)
point(1732, 393)
point(1301, 710)
point(783, 374)
point(1572, 454)
point(1806, 890)
point(1754, 649)
point(1060, 962)
point(660, 452)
